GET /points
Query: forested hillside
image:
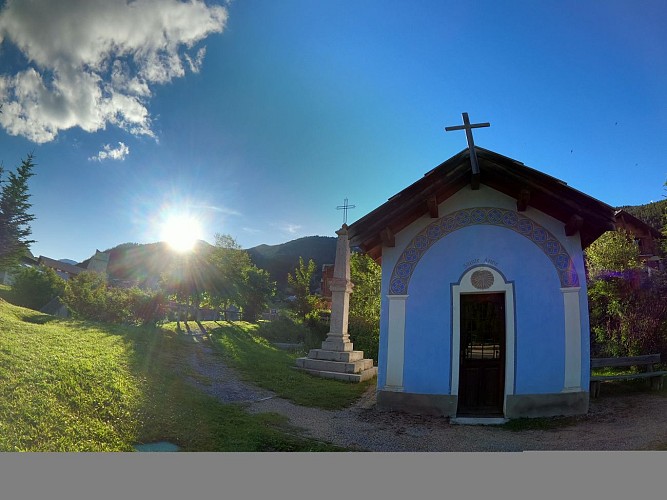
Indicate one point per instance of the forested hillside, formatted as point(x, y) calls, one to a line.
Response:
point(651, 213)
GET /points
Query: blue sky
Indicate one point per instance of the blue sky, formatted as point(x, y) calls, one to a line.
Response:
point(258, 117)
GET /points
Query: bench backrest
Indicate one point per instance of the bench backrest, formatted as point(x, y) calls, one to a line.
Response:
point(646, 359)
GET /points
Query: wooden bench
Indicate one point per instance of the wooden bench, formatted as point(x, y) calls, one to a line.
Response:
point(646, 362)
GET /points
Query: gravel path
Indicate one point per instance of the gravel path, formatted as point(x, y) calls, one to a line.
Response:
point(205, 369)
point(625, 422)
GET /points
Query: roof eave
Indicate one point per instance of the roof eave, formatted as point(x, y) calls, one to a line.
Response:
point(499, 172)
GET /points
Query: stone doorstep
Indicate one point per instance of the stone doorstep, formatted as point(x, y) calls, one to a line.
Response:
point(347, 377)
point(335, 366)
point(478, 420)
point(347, 356)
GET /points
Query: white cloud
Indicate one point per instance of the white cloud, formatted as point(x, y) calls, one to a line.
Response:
point(112, 154)
point(290, 228)
point(93, 62)
point(218, 208)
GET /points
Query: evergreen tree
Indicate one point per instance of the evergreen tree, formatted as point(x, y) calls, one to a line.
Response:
point(14, 217)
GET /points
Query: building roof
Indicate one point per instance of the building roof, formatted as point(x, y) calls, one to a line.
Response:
point(60, 266)
point(627, 217)
point(528, 186)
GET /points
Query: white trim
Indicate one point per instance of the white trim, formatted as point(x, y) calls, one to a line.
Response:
point(572, 312)
point(396, 343)
point(499, 285)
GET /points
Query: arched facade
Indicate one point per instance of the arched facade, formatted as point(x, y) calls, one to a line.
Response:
point(483, 279)
point(525, 257)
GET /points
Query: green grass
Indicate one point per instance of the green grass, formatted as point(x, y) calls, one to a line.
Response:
point(68, 385)
point(266, 366)
point(538, 423)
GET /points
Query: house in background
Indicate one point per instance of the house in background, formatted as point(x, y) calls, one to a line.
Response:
point(484, 307)
point(648, 238)
point(98, 263)
point(63, 269)
point(325, 291)
point(7, 276)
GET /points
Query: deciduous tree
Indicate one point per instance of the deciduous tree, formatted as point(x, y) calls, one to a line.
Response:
point(304, 301)
point(34, 288)
point(613, 252)
point(364, 318)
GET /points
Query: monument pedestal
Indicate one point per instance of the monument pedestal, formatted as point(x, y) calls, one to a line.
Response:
point(349, 365)
point(337, 358)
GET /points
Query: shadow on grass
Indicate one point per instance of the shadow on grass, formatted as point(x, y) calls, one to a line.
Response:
point(174, 411)
point(264, 365)
point(39, 318)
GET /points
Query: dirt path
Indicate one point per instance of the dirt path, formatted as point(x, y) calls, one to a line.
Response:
point(614, 422)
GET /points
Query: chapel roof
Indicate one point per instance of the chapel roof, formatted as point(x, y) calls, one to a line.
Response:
point(528, 186)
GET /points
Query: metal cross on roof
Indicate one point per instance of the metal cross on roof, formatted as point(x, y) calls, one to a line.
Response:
point(345, 207)
point(467, 126)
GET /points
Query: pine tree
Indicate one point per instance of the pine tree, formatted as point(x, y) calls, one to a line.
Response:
point(14, 216)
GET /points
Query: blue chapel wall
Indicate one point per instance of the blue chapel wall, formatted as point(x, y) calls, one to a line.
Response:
point(539, 315)
point(539, 308)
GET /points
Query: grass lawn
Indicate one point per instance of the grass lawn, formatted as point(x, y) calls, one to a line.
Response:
point(244, 348)
point(68, 385)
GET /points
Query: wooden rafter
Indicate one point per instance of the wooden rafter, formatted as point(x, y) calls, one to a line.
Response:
point(387, 237)
point(574, 224)
point(523, 200)
point(432, 204)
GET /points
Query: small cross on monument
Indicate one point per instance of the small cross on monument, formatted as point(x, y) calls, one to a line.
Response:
point(345, 207)
point(467, 126)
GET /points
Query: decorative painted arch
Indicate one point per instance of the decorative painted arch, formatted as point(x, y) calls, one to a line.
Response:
point(490, 216)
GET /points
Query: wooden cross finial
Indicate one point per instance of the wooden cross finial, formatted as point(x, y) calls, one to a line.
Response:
point(345, 207)
point(467, 126)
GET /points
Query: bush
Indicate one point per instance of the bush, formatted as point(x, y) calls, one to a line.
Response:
point(89, 297)
point(365, 335)
point(35, 287)
point(627, 319)
point(310, 333)
point(283, 330)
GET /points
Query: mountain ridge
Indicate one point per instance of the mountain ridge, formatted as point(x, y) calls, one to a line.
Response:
point(143, 263)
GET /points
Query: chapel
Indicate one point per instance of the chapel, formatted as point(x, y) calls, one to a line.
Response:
point(484, 306)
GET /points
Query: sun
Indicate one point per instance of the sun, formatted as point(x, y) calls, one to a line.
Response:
point(181, 232)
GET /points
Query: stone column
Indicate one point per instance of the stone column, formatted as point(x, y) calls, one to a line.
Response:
point(338, 338)
point(337, 359)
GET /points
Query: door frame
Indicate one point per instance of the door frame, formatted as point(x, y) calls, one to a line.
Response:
point(496, 284)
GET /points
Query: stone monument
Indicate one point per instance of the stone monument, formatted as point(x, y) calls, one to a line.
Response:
point(337, 358)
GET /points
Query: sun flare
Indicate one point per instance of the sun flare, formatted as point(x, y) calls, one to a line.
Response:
point(181, 232)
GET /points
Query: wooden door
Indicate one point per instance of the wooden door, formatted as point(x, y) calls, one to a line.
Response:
point(482, 356)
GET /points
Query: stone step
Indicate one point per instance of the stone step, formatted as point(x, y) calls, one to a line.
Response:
point(347, 377)
point(334, 366)
point(345, 356)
